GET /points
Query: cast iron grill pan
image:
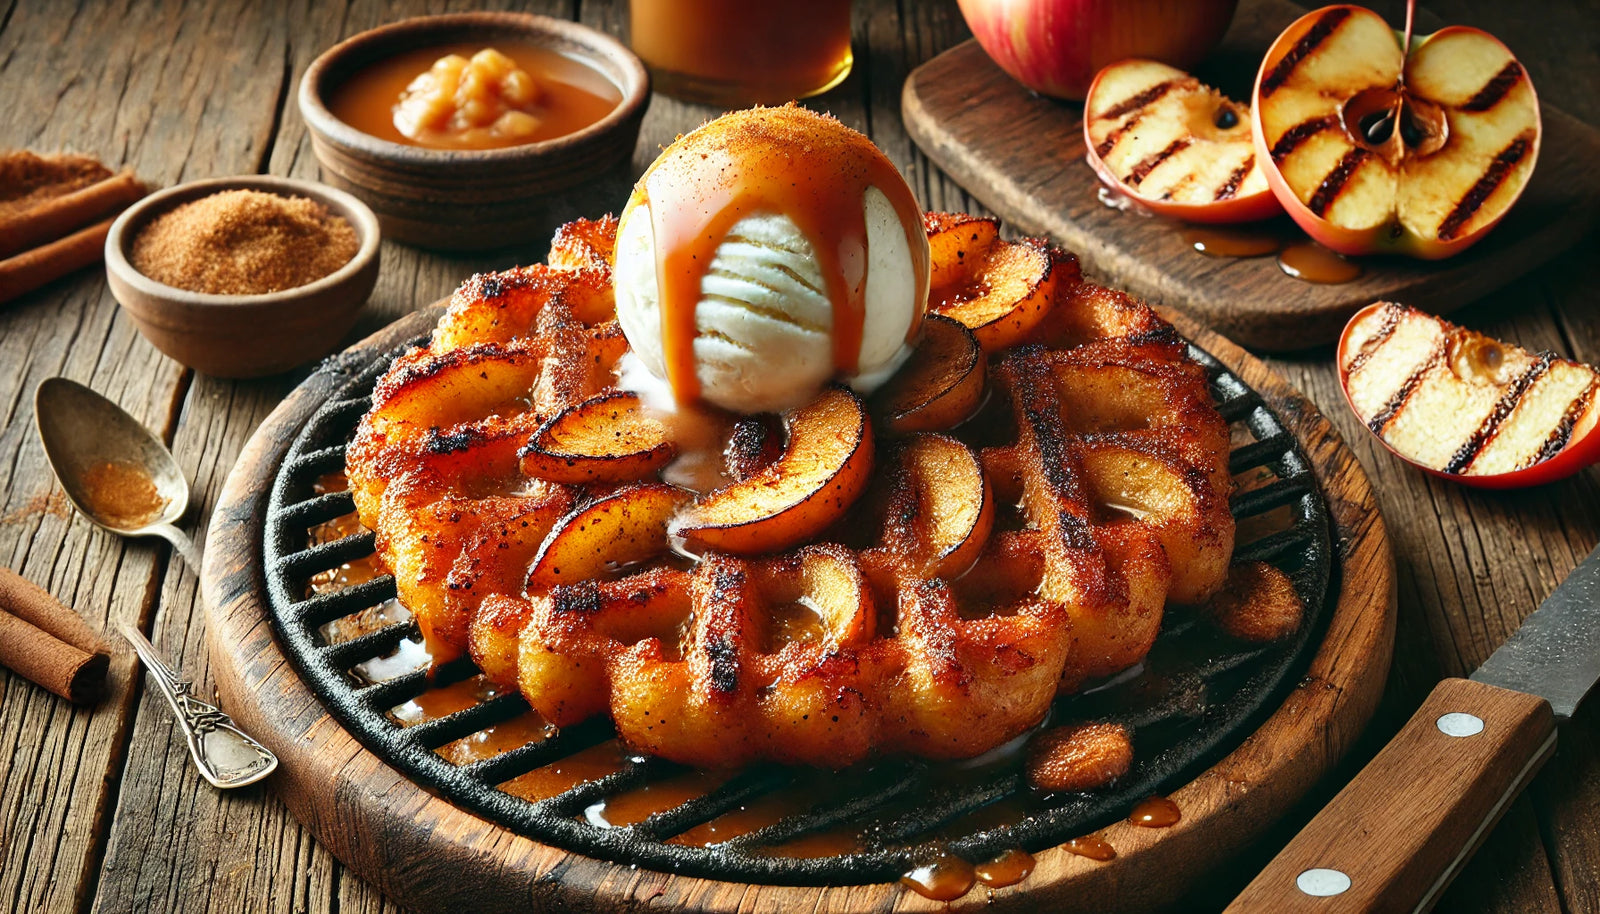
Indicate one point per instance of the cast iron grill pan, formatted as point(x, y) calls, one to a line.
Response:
point(1196, 697)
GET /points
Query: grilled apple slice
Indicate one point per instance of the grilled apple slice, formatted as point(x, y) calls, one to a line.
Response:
point(607, 438)
point(940, 509)
point(941, 384)
point(999, 289)
point(1173, 145)
point(1374, 151)
point(1461, 405)
point(625, 527)
point(824, 468)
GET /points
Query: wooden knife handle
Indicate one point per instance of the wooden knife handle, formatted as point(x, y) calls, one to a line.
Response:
point(1396, 835)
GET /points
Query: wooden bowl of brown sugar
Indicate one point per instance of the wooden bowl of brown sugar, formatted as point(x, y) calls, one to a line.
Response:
point(244, 277)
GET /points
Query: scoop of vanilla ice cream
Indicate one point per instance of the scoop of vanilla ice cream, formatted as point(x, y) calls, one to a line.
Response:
point(764, 320)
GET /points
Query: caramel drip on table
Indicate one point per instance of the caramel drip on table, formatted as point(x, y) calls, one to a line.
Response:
point(1010, 868)
point(1155, 812)
point(775, 160)
point(1311, 262)
point(1092, 846)
point(943, 878)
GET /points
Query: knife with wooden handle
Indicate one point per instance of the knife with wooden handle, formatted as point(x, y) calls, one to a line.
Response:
point(1395, 836)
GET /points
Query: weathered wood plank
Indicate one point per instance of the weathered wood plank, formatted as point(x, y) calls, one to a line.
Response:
point(118, 84)
point(242, 851)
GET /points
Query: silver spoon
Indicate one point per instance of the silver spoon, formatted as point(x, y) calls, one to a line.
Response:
point(226, 756)
point(81, 430)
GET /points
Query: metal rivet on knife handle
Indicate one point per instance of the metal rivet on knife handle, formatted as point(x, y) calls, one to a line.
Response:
point(1322, 883)
point(1459, 724)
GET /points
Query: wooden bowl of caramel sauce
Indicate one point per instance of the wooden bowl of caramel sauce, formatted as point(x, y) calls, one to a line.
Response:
point(476, 130)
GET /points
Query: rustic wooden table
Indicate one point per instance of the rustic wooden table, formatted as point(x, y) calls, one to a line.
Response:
point(100, 808)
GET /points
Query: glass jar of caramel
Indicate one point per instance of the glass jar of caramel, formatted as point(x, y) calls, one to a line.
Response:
point(738, 53)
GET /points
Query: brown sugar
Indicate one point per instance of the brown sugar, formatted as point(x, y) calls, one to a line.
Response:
point(244, 242)
point(122, 494)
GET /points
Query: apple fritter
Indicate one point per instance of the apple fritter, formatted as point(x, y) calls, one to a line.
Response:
point(922, 573)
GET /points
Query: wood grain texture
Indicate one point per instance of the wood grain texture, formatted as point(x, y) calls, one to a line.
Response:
point(348, 797)
point(1023, 156)
point(1402, 829)
point(200, 88)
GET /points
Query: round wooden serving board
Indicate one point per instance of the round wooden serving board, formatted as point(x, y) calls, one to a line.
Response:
point(428, 855)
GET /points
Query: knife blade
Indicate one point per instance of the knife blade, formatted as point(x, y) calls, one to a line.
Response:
point(1397, 834)
point(1555, 653)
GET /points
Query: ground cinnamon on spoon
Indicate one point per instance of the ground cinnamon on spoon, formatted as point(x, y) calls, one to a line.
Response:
point(123, 494)
point(244, 242)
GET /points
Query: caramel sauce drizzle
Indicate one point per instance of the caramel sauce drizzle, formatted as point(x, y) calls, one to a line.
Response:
point(1155, 812)
point(557, 778)
point(1092, 846)
point(1010, 868)
point(777, 160)
point(944, 877)
point(634, 806)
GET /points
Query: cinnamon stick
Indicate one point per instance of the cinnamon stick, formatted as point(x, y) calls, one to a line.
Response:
point(34, 605)
point(60, 215)
point(32, 269)
point(76, 675)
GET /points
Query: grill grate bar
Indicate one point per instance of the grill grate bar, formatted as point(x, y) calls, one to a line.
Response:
point(1274, 546)
point(436, 732)
point(1273, 495)
point(1198, 695)
point(327, 556)
point(1259, 453)
point(322, 608)
point(743, 788)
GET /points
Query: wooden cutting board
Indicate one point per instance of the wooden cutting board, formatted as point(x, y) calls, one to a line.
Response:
point(1022, 155)
point(430, 856)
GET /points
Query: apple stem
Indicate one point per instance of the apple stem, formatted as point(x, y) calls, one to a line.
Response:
point(1411, 12)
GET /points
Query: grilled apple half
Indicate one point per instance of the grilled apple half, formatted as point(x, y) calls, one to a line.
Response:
point(1372, 150)
point(1174, 145)
point(1464, 406)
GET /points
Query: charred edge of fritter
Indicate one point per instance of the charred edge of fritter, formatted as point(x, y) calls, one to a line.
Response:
point(581, 598)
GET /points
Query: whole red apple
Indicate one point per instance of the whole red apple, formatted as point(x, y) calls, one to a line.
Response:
point(1055, 47)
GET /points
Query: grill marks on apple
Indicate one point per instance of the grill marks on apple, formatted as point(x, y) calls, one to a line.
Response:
point(1485, 98)
point(1166, 136)
point(1460, 402)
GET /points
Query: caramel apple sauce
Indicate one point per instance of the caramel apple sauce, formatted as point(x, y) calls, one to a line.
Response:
point(467, 96)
